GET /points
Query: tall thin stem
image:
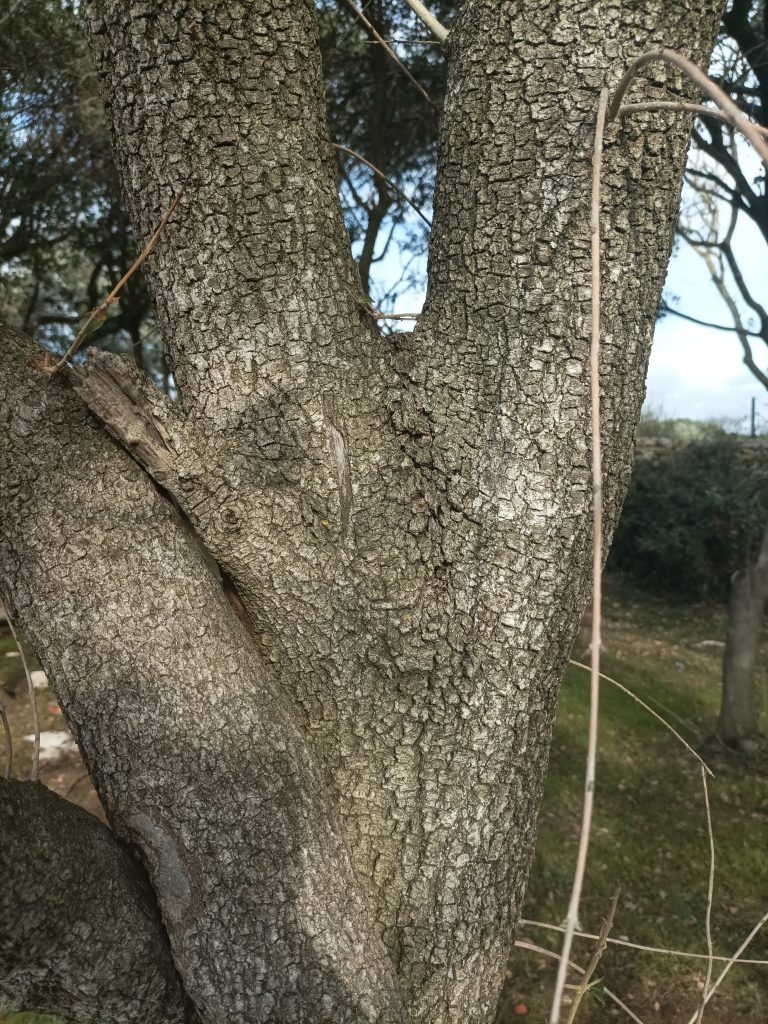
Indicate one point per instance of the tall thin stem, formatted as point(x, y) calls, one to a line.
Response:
point(597, 570)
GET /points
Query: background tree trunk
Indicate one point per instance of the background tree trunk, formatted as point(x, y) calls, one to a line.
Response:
point(335, 793)
point(737, 725)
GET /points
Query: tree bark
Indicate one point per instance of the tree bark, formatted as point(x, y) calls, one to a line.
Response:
point(195, 756)
point(358, 759)
point(737, 725)
point(80, 933)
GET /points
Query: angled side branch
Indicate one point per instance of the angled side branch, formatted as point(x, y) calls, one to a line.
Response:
point(256, 280)
point(199, 759)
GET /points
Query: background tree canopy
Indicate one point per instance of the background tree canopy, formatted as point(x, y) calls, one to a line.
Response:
point(64, 240)
point(694, 513)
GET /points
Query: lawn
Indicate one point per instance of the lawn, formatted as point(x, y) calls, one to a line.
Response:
point(649, 832)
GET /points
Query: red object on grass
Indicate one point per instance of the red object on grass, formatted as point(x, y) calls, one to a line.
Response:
point(521, 1009)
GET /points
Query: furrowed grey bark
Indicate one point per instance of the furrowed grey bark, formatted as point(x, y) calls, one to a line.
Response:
point(228, 97)
point(196, 757)
point(80, 933)
point(407, 521)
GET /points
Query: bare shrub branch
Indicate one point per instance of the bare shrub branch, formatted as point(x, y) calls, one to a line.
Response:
point(733, 960)
point(8, 741)
point(523, 944)
point(99, 315)
point(597, 564)
point(32, 700)
point(710, 891)
point(659, 950)
point(602, 941)
point(656, 715)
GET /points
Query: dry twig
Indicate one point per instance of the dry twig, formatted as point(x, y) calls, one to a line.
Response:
point(679, 106)
point(382, 175)
point(32, 700)
point(439, 31)
point(394, 316)
point(704, 82)
point(380, 39)
point(607, 113)
point(597, 564)
point(710, 891)
point(602, 941)
point(100, 313)
point(523, 944)
point(8, 741)
point(527, 923)
point(733, 960)
point(656, 715)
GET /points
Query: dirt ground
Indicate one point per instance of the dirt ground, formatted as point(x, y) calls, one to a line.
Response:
point(60, 768)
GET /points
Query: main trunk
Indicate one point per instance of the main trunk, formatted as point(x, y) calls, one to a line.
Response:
point(334, 779)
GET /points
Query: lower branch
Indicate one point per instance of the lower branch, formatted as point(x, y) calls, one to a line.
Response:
point(195, 753)
point(80, 933)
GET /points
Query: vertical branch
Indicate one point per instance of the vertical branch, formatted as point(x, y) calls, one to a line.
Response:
point(602, 942)
point(33, 701)
point(734, 959)
point(710, 890)
point(597, 568)
point(8, 741)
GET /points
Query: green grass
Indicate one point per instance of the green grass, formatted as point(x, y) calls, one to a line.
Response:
point(649, 833)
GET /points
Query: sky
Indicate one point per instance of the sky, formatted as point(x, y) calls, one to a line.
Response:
point(694, 372)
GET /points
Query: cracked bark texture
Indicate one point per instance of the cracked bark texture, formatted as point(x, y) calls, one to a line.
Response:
point(80, 933)
point(197, 759)
point(405, 521)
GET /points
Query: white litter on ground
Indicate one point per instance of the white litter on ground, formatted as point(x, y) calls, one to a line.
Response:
point(53, 745)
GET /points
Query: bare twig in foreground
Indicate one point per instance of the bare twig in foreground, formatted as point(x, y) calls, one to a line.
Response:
point(733, 960)
point(8, 741)
point(380, 39)
point(602, 942)
point(32, 699)
point(681, 107)
point(597, 569)
point(528, 923)
point(710, 891)
point(523, 944)
point(438, 31)
point(100, 313)
point(704, 82)
point(656, 715)
point(382, 175)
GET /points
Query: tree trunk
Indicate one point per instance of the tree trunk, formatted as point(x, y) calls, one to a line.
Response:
point(80, 933)
point(737, 725)
point(315, 688)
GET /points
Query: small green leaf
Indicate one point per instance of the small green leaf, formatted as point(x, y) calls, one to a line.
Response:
point(91, 322)
point(597, 991)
